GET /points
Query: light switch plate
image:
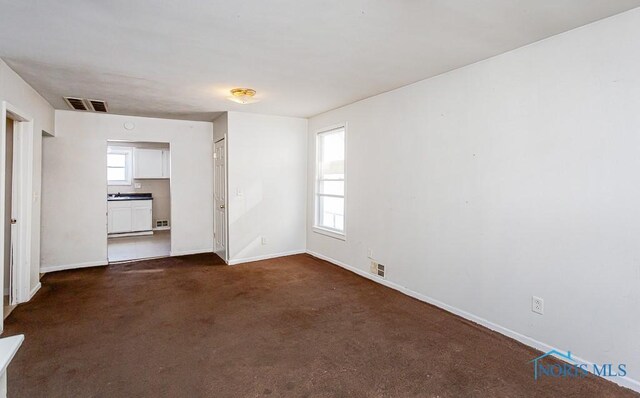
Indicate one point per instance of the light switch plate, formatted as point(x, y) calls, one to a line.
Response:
point(137, 185)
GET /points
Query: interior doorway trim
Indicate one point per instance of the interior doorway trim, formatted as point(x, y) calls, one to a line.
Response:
point(23, 185)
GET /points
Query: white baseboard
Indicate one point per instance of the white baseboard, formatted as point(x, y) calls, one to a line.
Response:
point(176, 253)
point(526, 340)
point(264, 257)
point(52, 268)
point(161, 228)
point(34, 290)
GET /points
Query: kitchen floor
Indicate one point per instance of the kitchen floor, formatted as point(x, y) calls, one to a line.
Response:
point(139, 247)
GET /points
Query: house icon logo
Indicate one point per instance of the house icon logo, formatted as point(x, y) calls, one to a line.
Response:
point(538, 366)
point(570, 367)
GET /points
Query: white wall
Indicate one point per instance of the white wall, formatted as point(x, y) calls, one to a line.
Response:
point(19, 94)
point(512, 177)
point(74, 229)
point(267, 167)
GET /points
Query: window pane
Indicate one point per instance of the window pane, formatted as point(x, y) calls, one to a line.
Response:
point(331, 154)
point(116, 174)
point(331, 212)
point(330, 170)
point(331, 187)
point(116, 160)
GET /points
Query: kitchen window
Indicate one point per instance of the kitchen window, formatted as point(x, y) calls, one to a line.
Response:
point(119, 165)
point(330, 182)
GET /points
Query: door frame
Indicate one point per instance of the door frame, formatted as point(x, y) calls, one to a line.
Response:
point(226, 197)
point(21, 200)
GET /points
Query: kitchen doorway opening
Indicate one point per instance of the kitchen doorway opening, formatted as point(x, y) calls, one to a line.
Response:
point(138, 200)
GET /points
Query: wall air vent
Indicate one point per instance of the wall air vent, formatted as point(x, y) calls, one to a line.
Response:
point(76, 103)
point(98, 106)
point(377, 269)
point(162, 224)
point(381, 270)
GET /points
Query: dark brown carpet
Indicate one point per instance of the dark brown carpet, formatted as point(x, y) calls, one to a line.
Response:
point(293, 326)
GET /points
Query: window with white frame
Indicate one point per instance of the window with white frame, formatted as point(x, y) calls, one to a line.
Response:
point(119, 165)
point(330, 181)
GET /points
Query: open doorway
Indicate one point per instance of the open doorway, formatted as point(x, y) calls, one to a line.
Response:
point(9, 219)
point(138, 200)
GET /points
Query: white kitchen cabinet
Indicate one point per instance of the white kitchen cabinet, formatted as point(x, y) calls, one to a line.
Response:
point(129, 216)
point(119, 217)
point(151, 163)
point(166, 163)
point(141, 215)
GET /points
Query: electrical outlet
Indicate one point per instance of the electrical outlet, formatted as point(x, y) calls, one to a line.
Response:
point(137, 185)
point(537, 305)
point(374, 267)
point(264, 240)
point(369, 253)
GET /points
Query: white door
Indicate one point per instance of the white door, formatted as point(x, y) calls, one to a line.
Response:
point(148, 163)
point(19, 236)
point(15, 195)
point(141, 215)
point(220, 199)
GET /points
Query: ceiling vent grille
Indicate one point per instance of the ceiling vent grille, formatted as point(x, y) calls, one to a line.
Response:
point(76, 103)
point(98, 106)
point(81, 104)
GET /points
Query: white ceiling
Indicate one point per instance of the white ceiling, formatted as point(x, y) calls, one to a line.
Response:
point(178, 59)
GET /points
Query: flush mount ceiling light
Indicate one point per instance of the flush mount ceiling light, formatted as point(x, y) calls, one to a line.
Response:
point(243, 95)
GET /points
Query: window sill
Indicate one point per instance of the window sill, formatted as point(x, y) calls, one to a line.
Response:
point(329, 233)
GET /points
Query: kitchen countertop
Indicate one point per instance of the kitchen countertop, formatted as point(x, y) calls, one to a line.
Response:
point(113, 197)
